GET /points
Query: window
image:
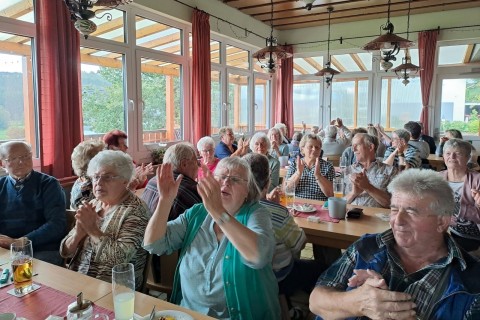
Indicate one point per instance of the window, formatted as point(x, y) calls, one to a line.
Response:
point(216, 101)
point(18, 109)
point(262, 103)
point(102, 92)
point(460, 105)
point(350, 101)
point(238, 102)
point(400, 103)
point(161, 85)
point(237, 57)
point(306, 103)
point(158, 36)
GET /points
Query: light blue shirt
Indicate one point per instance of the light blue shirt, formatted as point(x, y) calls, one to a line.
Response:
point(201, 268)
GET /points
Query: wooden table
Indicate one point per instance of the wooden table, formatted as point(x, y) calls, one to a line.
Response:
point(343, 234)
point(436, 162)
point(98, 291)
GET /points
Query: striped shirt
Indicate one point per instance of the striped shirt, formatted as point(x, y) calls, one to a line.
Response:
point(308, 187)
point(289, 238)
point(412, 156)
point(186, 197)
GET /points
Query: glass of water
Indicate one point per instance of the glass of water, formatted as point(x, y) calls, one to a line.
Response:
point(123, 287)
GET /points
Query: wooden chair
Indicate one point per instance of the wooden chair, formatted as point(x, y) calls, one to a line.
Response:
point(168, 265)
point(334, 160)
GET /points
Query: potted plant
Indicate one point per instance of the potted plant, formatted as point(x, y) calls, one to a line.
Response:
point(157, 155)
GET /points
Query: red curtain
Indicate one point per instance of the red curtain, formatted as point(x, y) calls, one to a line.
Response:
point(427, 46)
point(201, 75)
point(58, 64)
point(284, 92)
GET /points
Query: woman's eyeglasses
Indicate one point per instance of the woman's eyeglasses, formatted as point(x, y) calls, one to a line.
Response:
point(105, 178)
point(233, 179)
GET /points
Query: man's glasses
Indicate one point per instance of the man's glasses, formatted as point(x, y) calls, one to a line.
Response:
point(105, 178)
point(233, 179)
point(17, 160)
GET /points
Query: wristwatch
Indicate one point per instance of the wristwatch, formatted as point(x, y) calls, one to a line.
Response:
point(224, 218)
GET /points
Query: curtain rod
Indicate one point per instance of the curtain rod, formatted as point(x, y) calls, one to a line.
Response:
point(223, 20)
point(321, 41)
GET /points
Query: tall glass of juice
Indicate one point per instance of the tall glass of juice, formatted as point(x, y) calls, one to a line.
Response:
point(123, 287)
point(21, 255)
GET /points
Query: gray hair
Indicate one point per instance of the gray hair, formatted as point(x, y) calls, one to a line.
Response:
point(306, 138)
point(422, 183)
point(464, 146)
point(83, 153)
point(117, 160)
point(372, 130)
point(259, 136)
point(275, 130)
point(223, 130)
point(232, 163)
point(331, 131)
point(280, 126)
point(205, 141)
point(260, 168)
point(178, 152)
point(369, 140)
point(403, 134)
point(5, 148)
point(315, 128)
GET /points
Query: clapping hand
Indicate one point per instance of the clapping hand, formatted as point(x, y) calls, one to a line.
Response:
point(86, 220)
point(361, 275)
point(166, 184)
point(210, 192)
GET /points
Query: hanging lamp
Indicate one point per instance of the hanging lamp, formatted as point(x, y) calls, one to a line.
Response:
point(389, 44)
point(269, 56)
point(328, 72)
point(81, 12)
point(407, 68)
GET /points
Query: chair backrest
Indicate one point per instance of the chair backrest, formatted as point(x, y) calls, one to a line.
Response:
point(70, 215)
point(164, 267)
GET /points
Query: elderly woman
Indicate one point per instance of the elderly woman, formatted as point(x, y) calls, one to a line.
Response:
point(455, 134)
point(109, 229)
point(117, 140)
point(226, 244)
point(81, 156)
point(226, 146)
point(278, 147)
point(260, 143)
point(206, 149)
point(312, 176)
point(465, 184)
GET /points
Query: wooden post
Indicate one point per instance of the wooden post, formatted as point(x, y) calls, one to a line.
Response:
point(170, 108)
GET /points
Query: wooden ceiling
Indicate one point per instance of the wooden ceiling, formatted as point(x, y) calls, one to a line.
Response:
point(292, 14)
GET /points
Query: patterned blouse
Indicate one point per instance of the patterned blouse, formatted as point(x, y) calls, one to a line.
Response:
point(123, 227)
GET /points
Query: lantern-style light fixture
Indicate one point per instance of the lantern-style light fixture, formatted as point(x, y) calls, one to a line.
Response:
point(407, 68)
point(389, 44)
point(269, 56)
point(328, 72)
point(81, 11)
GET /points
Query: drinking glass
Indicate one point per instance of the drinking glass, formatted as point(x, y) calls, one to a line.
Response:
point(338, 187)
point(21, 255)
point(123, 287)
point(343, 163)
point(289, 192)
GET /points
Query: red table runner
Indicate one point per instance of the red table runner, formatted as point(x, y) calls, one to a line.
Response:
point(321, 213)
point(41, 303)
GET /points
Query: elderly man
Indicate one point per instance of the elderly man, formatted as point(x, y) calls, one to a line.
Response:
point(183, 158)
point(331, 145)
point(414, 270)
point(401, 154)
point(367, 179)
point(32, 204)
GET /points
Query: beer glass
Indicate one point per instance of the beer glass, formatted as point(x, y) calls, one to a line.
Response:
point(21, 255)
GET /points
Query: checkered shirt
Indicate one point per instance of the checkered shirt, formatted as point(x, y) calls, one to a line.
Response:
point(308, 187)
